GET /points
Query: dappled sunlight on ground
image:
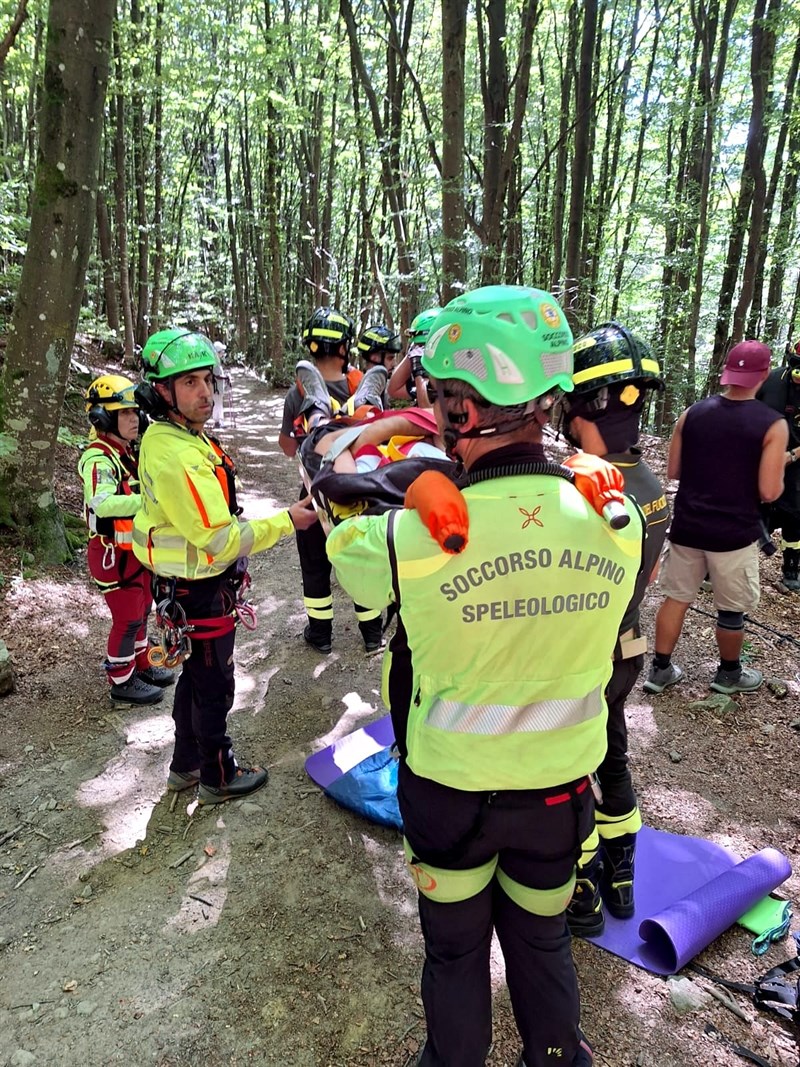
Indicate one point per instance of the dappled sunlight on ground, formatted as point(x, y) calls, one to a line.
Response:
point(126, 792)
point(391, 875)
point(252, 689)
point(206, 890)
point(497, 965)
point(260, 507)
point(358, 712)
point(39, 604)
point(642, 726)
point(329, 661)
point(678, 810)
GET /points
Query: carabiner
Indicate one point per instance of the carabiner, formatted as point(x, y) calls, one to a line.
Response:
point(156, 656)
point(246, 614)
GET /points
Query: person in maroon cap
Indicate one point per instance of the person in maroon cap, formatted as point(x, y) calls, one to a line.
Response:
point(781, 392)
point(729, 453)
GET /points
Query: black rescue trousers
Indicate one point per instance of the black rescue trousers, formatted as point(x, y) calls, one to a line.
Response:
point(614, 773)
point(537, 837)
point(205, 689)
point(316, 571)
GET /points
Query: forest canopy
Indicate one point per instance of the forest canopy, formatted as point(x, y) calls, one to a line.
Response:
point(260, 158)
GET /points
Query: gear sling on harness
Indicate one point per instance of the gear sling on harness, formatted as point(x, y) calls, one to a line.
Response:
point(173, 625)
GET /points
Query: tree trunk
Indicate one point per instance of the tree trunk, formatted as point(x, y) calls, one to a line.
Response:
point(140, 183)
point(784, 230)
point(240, 313)
point(389, 140)
point(158, 174)
point(560, 185)
point(736, 242)
point(762, 59)
point(106, 256)
point(580, 167)
point(501, 148)
point(454, 258)
point(10, 36)
point(120, 197)
point(48, 302)
point(631, 214)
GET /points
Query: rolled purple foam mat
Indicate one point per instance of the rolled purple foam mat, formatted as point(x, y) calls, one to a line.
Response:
point(676, 934)
point(687, 890)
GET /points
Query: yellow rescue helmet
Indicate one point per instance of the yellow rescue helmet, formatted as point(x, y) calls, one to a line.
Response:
point(112, 392)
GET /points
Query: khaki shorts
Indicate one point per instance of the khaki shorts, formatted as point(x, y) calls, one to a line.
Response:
point(734, 576)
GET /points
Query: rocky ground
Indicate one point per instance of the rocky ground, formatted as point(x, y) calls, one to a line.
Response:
point(282, 930)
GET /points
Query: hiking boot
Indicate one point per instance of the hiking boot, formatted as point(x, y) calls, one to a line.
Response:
point(745, 680)
point(312, 388)
point(158, 676)
point(790, 583)
point(318, 636)
point(660, 677)
point(584, 1057)
point(585, 916)
point(177, 781)
point(246, 781)
point(616, 882)
point(371, 387)
point(372, 632)
point(135, 691)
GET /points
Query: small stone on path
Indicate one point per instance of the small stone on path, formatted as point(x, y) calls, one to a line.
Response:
point(718, 702)
point(22, 1058)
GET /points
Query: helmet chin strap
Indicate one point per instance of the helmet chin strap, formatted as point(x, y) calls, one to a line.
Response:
point(537, 412)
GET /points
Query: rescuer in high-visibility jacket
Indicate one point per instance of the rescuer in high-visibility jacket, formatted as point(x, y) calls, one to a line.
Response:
point(111, 498)
point(504, 652)
point(613, 370)
point(188, 531)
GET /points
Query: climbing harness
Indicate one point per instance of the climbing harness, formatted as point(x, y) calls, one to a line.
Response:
point(173, 628)
point(175, 644)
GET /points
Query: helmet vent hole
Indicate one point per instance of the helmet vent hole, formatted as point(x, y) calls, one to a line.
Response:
point(470, 359)
point(554, 363)
point(530, 320)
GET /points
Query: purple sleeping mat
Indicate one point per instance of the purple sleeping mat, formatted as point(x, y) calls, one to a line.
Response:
point(330, 763)
point(688, 891)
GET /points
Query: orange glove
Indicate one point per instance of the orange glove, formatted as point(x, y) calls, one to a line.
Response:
point(442, 508)
point(602, 485)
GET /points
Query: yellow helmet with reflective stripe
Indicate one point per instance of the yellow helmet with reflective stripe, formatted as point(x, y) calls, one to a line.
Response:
point(112, 392)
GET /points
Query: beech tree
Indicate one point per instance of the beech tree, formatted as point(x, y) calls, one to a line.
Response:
point(46, 309)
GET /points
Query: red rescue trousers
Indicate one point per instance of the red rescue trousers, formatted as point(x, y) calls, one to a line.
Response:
point(125, 584)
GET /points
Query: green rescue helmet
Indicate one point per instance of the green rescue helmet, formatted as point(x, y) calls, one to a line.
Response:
point(420, 326)
point(378, 339)
point(511, 343)
point(172, 352)
point(610, 354)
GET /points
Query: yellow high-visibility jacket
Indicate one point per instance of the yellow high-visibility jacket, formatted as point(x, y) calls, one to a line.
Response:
point(184, 528)
point(511, 640)
point(110, 492)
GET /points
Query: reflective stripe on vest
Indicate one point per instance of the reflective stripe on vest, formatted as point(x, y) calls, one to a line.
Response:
point(459, 718)
point(512, 639)
point(122, 528)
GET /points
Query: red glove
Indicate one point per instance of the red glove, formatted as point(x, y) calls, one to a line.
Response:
point(602, 485)
point(442, 508)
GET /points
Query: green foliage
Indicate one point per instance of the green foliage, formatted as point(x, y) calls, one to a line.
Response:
point(73, 440)
point(303, 148)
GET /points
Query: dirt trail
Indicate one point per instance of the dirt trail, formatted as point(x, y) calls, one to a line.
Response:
point(281, 930)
